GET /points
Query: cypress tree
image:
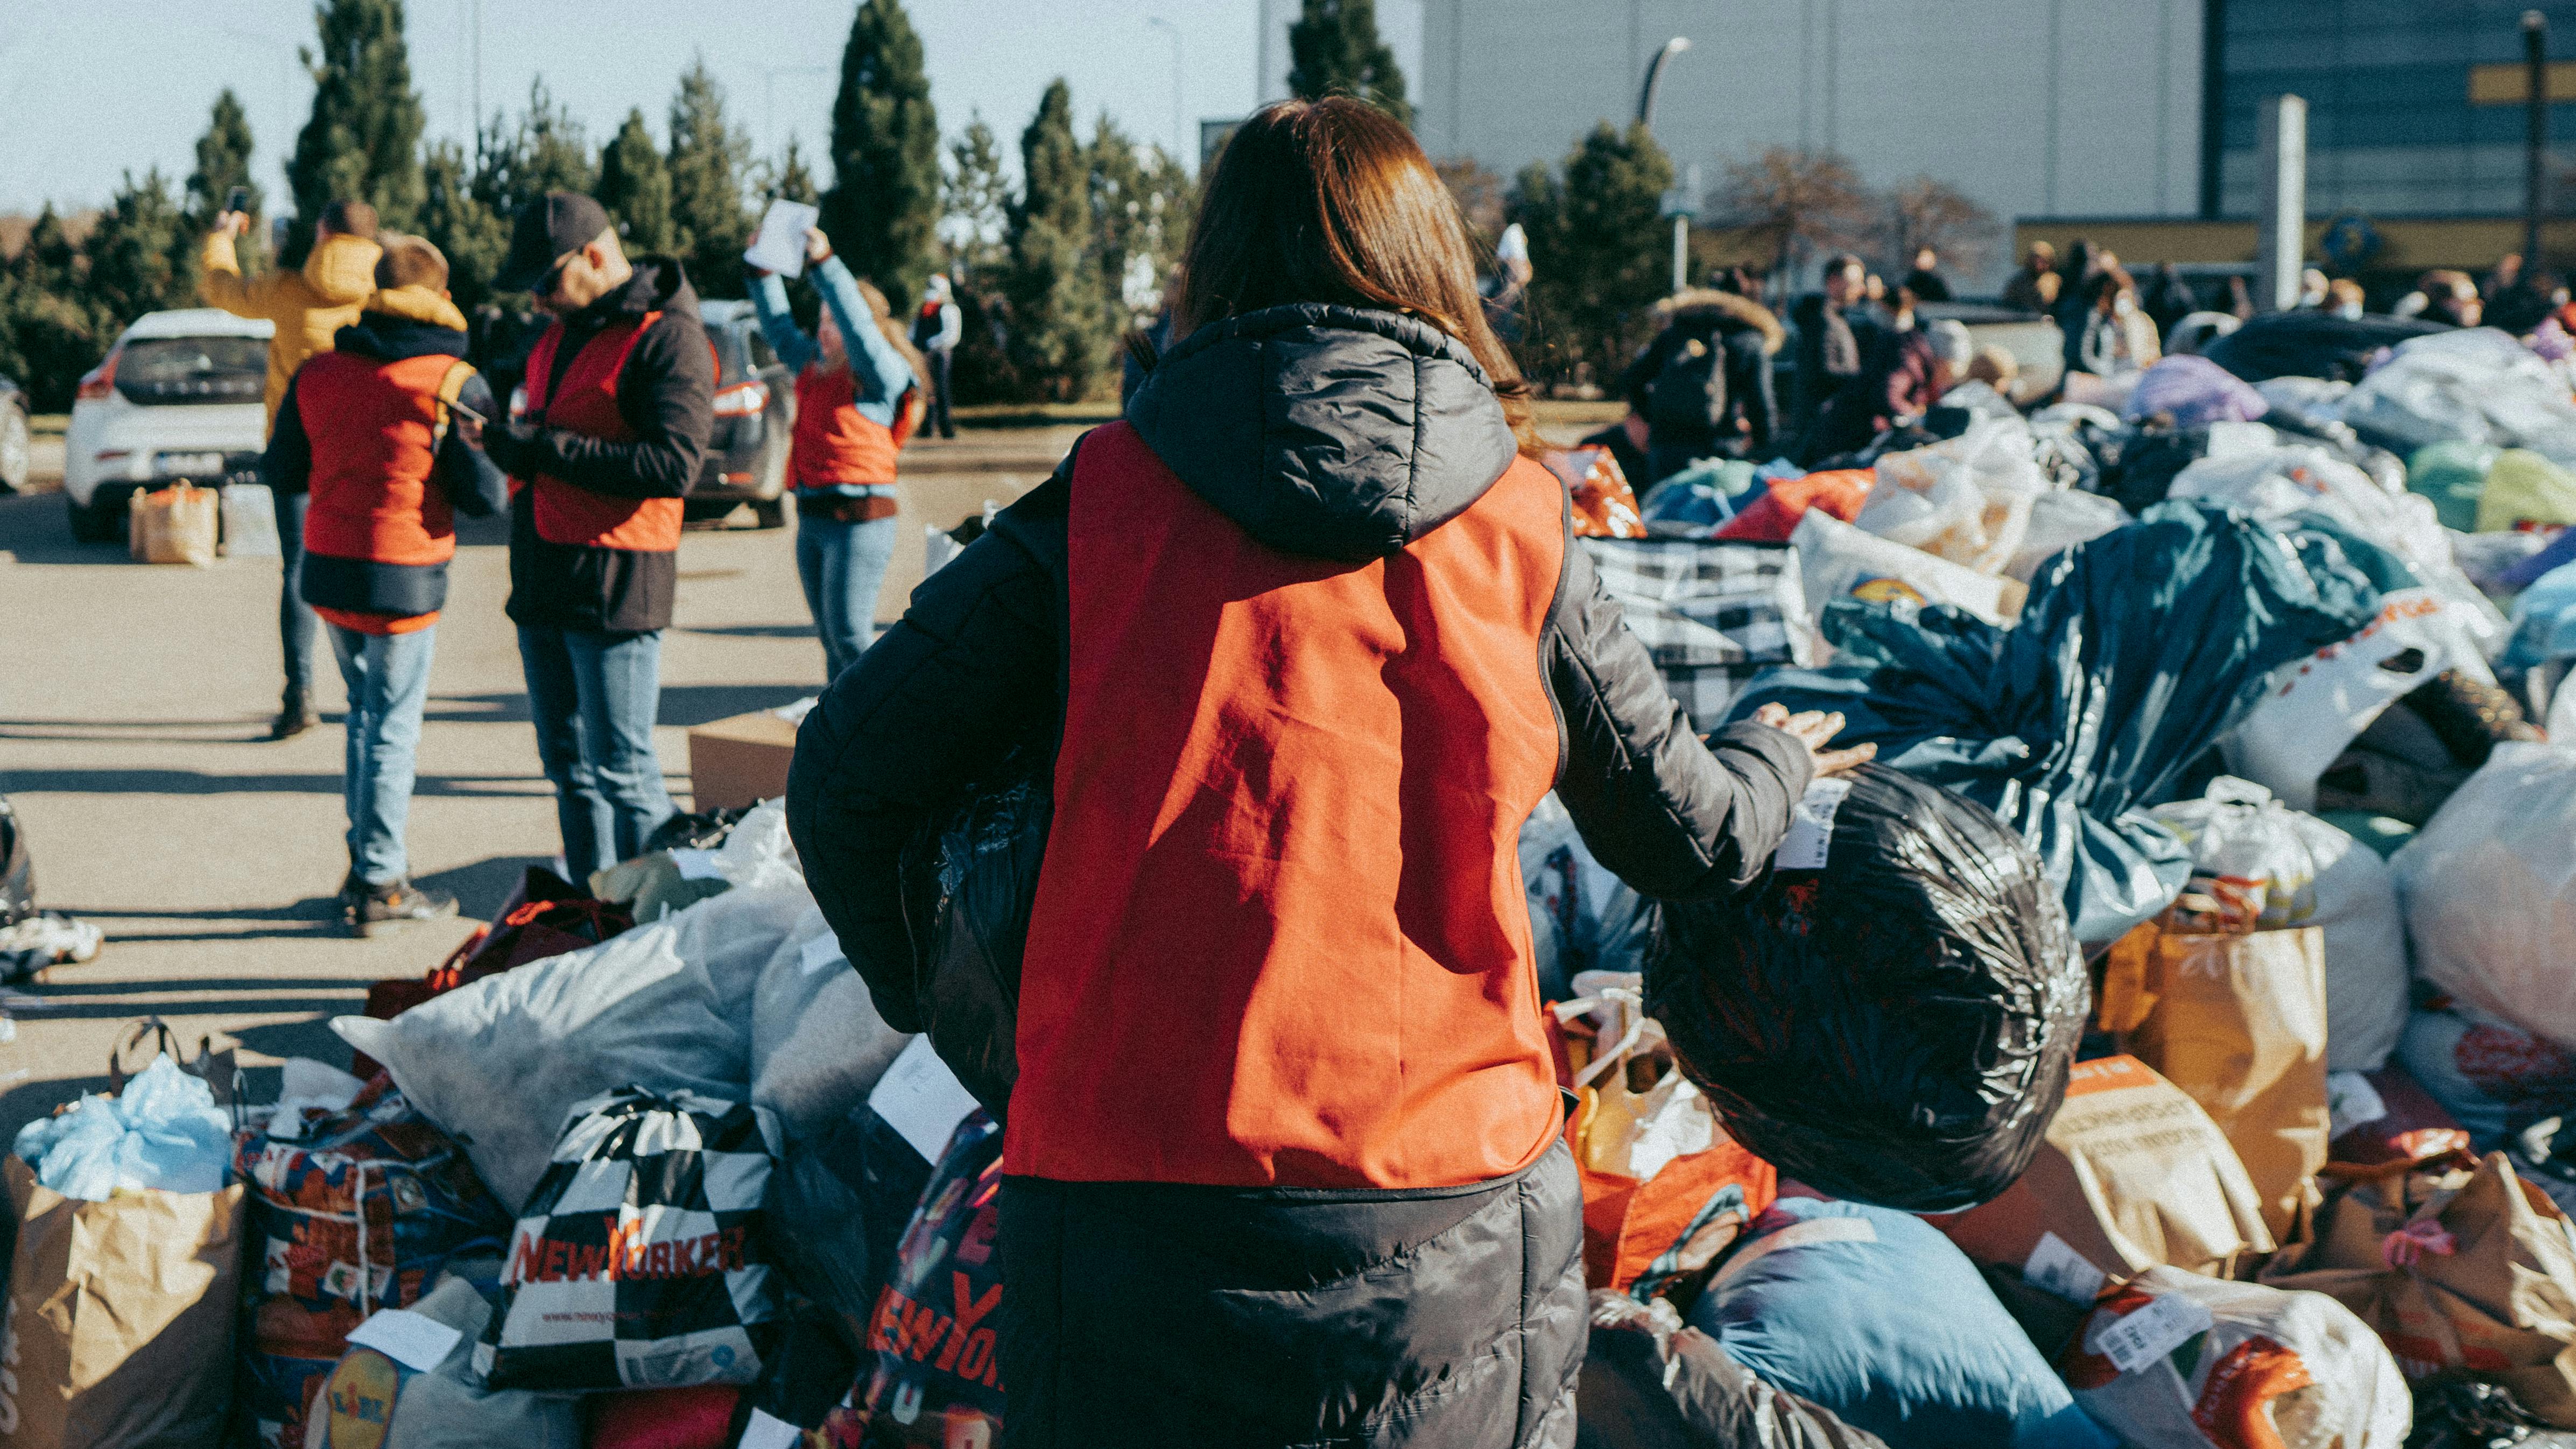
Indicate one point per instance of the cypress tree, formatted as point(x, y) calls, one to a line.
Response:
point(457, 222)
point(976, 204)
point(635, 186)
point(49, 333)
point(710, 225)
point(362, 141)
point(552, 154)
point(1598, 241)
point(133, 252)
point(1121, 221)
point(793, 180)
point(223, 162)
point(1059, 330)
point(882, 212)
point(1334, 49)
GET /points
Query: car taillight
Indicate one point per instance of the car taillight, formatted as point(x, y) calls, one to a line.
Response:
point(742, 400)
point(99, 381)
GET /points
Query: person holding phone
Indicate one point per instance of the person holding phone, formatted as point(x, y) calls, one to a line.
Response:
point(859, 396)
point(309, 306)
point(383, 435)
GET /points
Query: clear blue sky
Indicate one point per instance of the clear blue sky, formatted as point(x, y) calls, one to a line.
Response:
point(88, 90)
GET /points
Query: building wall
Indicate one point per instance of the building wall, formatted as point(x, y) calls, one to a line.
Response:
point(2032, 107)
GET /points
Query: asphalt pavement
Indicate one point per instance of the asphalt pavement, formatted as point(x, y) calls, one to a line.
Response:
point(134, 711)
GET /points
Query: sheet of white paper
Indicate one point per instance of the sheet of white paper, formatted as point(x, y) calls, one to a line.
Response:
point(764, 1432)
point(1811, 827)
point(818, 953)
point(780, 247)
point(920, 1098)
point(2141, 1337)
point(414, 1340)
point(2057, 1267)
point(697, 865)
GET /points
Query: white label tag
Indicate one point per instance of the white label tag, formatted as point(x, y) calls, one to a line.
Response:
point(416, 1341)
point(2061, 1270)
point(2147, 1335)
point(818, 953)
point(920, 1098)
point(697, 864)
point(1811, 827)
point(764, 1432)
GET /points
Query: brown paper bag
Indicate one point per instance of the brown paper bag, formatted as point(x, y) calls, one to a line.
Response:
point(2132, 1175)
point(2462, 1271)
point(178, 524)
point(2239, 1023)
point(120, 1318)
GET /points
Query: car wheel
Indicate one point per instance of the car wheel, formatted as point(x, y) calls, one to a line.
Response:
point(17, 456)
point(771, 512)
point(95, 523)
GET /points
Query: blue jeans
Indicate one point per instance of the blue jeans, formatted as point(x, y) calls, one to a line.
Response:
point(296, 621)
point(842, 565)
point(388, 679)
point(595, 697)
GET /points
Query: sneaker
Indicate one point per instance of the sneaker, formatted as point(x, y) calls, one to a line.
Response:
point(294, 718)
point(398, 904)
point(47, 938)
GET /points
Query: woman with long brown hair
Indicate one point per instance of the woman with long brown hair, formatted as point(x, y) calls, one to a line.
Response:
point(1306, 640)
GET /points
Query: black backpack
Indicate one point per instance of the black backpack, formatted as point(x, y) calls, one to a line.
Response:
point(1688, 393)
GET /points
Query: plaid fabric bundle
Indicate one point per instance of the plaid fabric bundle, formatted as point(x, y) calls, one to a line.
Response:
point(639, 1261)
point(1712, 613)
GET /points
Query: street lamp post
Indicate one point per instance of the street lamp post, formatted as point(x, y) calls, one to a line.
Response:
point(1655, 79)
point(1180, 126)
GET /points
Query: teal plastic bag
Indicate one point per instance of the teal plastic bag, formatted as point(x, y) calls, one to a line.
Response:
point(2452, 475)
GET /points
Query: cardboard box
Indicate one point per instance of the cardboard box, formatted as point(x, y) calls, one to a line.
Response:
point(740, 761)
point(2133, 1174)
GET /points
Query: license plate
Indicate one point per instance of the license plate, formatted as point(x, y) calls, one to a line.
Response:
point(173, 465)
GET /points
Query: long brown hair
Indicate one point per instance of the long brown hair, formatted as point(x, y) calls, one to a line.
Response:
point(1332, 201)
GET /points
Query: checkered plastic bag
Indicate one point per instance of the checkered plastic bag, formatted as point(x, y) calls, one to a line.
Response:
point(640, 1261)
point(1713, 613)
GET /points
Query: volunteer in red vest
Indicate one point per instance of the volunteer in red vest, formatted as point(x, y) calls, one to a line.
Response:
point(618, 402)
point(855, 409)
point(378, 433)
point(1306, 641)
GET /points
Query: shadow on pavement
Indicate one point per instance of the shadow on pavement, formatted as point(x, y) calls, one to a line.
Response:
point(479, 888)
point(200, 782)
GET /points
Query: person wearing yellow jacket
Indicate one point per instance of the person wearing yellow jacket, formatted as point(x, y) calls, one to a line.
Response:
point(309, 307)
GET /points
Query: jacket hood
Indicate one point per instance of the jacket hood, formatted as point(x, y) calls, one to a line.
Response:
point(342, 269)
point(1327, 431)
point(659, 285)
point(405, 322)
point(1726, 312)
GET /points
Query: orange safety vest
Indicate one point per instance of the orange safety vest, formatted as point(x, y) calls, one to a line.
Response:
point(834, 443)
point(371, 496)
point(1280, 937)
point(585, 401)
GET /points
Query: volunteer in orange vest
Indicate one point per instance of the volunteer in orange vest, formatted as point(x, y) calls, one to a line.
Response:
point(1305, 640)
point(855, 409)
point(618, 402)
point(309, 305)
point(377, 434)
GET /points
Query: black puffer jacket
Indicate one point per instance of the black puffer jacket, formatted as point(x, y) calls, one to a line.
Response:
point(965, 676)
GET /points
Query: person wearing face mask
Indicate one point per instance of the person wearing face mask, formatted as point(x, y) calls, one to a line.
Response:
point(2119, 338)
point(619, 400)
point(858, 400)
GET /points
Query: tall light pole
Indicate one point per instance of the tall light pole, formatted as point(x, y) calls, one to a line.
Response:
point(1655, 79)
point(1180, 126)
point(2535, 64)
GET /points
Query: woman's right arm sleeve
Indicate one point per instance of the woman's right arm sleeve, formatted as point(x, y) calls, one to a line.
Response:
point(970, 673)
point(1672, 817)
point(769, 299)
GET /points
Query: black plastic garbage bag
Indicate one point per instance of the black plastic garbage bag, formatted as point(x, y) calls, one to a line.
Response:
point(969, 882)
point(2139, 464)
point(837, 1207)
point(1894, 1024)
point(2135, 652)
point(1649, 1383)
point(2311, 344)
point(2466, 1414)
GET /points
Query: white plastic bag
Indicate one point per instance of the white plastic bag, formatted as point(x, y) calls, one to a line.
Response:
point(2060, 519)
point(817, 1043)
point(1966, 499)
point(2271, 868)
point(2489, 891)
point(1837, 561)
point(2321, 704)
point(2475, 385)
point(250, 521)
point(665, 1006)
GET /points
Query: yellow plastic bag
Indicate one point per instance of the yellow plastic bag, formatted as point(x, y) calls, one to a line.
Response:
point(2522, 488)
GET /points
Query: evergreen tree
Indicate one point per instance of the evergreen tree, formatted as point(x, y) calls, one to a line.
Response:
point(362, 142)
point(1121, 221)
point(794, 180)
point(134, 253)
point(635, 186)
point(976, 205)
point(882, 212)
point(1599, 245)
point(223, 162)
point(1060, 334)
point(1334, 49)
point(49, 334)
point(457, 222)
point(552, 152)
point(708, 157)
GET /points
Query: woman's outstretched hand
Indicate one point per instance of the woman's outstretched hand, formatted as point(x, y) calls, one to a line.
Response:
point(1815, 729)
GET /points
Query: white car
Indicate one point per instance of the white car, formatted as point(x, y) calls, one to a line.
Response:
point(179, 396)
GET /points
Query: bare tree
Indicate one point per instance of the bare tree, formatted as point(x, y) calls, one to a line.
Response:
point(1921, 212)
point(1808, 201)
